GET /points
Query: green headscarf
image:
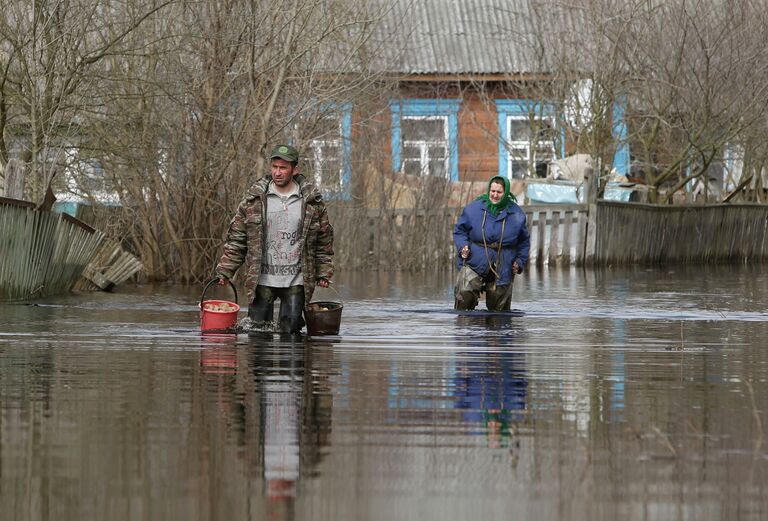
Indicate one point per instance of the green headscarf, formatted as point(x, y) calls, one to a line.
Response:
point(507, 199)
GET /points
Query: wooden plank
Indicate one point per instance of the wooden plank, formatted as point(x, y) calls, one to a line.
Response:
point(16, 202)
point(78, 222)
point(590, 240)
point(530, 208)
point(542, 229)
point(738, 189)
point(565, 255)
point(554, 237)
point(582, 237)
point(98, 279)
point(109, 267)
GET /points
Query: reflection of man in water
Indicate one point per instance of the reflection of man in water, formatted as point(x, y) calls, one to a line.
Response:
point(269, 406)
point(290, 429)
point(282, 403)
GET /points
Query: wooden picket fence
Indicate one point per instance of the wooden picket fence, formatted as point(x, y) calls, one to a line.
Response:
point(611, 233)
point(631, 233)
point(417, 239)
point(392, 239)
point(558, 234)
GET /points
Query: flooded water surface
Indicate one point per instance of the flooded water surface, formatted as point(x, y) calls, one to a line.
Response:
point(620, 394)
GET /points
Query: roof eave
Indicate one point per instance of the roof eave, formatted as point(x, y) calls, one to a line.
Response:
point(476, 77)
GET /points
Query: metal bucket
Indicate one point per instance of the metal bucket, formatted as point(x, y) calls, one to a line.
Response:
point(323, 317)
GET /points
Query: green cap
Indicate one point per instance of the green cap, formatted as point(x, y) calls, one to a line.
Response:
point(286, 152)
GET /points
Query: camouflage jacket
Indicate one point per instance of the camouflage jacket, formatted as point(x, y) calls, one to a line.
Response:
point(245, 238)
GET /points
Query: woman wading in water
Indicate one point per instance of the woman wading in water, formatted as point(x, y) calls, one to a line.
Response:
point(492, 245)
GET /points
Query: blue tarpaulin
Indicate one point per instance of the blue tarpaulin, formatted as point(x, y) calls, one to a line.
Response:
point(561, 193)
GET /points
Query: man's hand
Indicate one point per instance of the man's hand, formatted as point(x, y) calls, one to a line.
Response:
point(323, 283)
point(464, 252)
point(516, 268)
point(222, 281)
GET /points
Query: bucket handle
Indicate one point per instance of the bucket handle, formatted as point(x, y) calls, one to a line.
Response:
point(330, 286)
point(202, 297)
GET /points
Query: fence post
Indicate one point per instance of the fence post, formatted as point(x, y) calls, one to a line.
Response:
point(554, 232)
point(590, 197)
point(542, 221)
point(565, 254)
point(14, 179)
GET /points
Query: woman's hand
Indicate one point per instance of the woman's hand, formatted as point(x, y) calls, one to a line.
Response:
point(464, 252)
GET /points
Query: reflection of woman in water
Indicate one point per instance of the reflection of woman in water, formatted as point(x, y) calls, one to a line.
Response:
point(492, 245)
point(491, 388)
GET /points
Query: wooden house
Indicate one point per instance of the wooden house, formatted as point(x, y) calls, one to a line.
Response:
point(469, 102)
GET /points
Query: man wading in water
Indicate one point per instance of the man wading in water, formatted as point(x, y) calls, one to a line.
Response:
point(281, 231)
point(492, 245)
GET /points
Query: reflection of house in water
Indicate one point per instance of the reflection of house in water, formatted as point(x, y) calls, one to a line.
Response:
point(590, 388)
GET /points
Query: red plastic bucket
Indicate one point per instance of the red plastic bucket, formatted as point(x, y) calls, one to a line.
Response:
point(217, 316)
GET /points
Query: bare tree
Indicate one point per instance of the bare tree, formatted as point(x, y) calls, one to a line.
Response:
point(48, 55)
point(186, 123)
point(697, 80)
point(689, 75)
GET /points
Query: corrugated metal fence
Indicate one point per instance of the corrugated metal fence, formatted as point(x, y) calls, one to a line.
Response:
point(42, 253)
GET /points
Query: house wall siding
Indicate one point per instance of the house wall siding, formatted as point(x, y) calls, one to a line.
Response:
point(477, 142)
point(478, 139)
point(478, 131)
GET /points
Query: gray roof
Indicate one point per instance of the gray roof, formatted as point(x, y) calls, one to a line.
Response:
point(476, 36)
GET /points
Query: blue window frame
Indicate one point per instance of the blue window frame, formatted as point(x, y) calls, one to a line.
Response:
point(326, 130)
point(425, 137)
point(529, 137)
point(331, 151)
